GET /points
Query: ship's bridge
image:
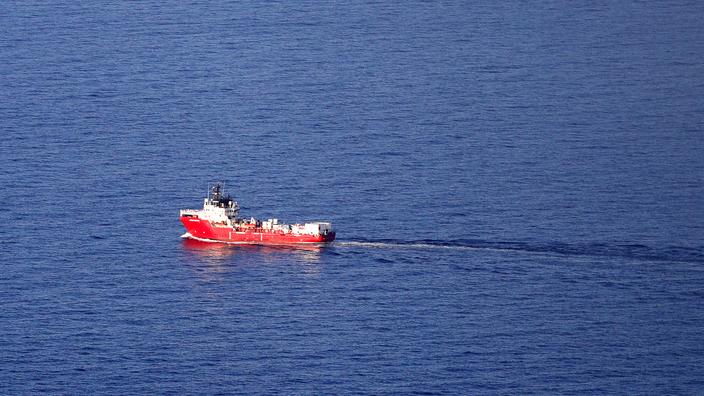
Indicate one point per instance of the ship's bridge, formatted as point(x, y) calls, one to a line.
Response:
point(217, 208)
point(222, 209)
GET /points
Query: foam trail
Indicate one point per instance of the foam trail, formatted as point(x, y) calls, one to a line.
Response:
point(403, 245)
point(431, 246)
point(633, 252)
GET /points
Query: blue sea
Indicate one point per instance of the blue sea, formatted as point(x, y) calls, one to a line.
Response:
point(517, 189)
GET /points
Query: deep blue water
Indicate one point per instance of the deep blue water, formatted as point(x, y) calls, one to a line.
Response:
point(518, 191)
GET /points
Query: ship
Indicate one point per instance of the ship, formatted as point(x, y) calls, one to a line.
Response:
point(219, 221)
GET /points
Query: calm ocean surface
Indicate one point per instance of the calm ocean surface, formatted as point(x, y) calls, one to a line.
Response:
point(517, 187)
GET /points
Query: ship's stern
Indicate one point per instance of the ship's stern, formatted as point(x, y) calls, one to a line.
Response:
point(329, 236)
point(324, 229)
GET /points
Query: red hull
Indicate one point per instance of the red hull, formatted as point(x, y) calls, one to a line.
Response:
point(203, 229)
